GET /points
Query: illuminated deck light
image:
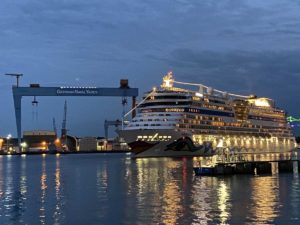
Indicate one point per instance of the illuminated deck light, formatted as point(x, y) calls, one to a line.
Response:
point(198, 94)
point(168, 80)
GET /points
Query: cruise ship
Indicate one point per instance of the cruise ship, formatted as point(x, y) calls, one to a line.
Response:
point(174, 121)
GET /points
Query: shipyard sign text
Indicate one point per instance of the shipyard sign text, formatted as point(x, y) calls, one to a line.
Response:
point(76, 91)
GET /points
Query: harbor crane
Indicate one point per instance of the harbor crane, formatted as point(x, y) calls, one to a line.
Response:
point(64, 127)
point(34, 101)
point(54, 126)
point(36, 90)
point(108, 123)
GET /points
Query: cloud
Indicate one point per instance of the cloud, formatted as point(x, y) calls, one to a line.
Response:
point(236, 45)
point(260, 65)
point(274, 74)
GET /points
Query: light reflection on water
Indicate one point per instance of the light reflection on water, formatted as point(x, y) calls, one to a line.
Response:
point(114, 189)
point(43, 193)
point(264, 202)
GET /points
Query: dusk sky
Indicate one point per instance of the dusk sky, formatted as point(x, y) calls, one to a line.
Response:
point(244, 47)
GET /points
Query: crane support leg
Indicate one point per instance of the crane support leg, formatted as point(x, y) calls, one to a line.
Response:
point(17, 103)
point(133, 105)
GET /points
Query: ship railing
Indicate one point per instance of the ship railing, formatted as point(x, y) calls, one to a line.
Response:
point(256, 157)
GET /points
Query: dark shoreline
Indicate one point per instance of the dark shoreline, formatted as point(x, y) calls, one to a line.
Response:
point(66, 153)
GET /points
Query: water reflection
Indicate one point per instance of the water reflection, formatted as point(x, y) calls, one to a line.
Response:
point(102, 189)
point(200, 206)
point(13, 190)
point(8, 202)
point(43, 188)
point(264, 205)
point(117, 190)
point(212, 201)
point(128, 175)
point(158, 190)
point(1, 184)
point(22, 191)
point(58, 214)
point(171, 207)
point(147, 191)
point(295, 198)
point(223, 202)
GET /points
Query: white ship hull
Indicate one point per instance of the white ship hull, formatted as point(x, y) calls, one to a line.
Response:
point(158, 143)
point(173, 143)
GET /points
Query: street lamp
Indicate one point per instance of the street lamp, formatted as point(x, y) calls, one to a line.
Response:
point(8, 138)
point(24, 146)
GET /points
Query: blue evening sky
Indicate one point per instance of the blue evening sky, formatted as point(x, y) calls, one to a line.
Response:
point(242, 46)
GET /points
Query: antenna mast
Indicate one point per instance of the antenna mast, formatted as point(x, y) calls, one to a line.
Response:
point(64, 123)
point(17, 75)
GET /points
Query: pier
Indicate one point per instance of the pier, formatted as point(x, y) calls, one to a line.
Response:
point(249, 163)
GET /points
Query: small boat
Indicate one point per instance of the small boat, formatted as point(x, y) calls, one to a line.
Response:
point(204, 170)
point(205, 167)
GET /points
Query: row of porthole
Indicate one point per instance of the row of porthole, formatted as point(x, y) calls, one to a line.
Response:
point(160, 137)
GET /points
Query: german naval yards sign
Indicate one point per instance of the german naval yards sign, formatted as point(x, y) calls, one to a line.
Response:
point(76, 91)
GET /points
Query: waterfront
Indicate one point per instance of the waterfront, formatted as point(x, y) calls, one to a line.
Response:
point(114, 189)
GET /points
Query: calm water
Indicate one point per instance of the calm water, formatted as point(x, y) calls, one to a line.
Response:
point(114, 189)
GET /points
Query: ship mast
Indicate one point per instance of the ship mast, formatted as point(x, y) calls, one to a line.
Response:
point(168, 82)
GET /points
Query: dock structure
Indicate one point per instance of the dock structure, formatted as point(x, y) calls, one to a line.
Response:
point(250, 163)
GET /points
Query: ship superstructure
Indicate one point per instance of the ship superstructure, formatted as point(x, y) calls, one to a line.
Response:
point(173, 121)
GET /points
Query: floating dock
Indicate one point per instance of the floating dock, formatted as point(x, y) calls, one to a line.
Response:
point(249, 163)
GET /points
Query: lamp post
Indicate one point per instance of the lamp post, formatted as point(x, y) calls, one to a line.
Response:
point(8, 138)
